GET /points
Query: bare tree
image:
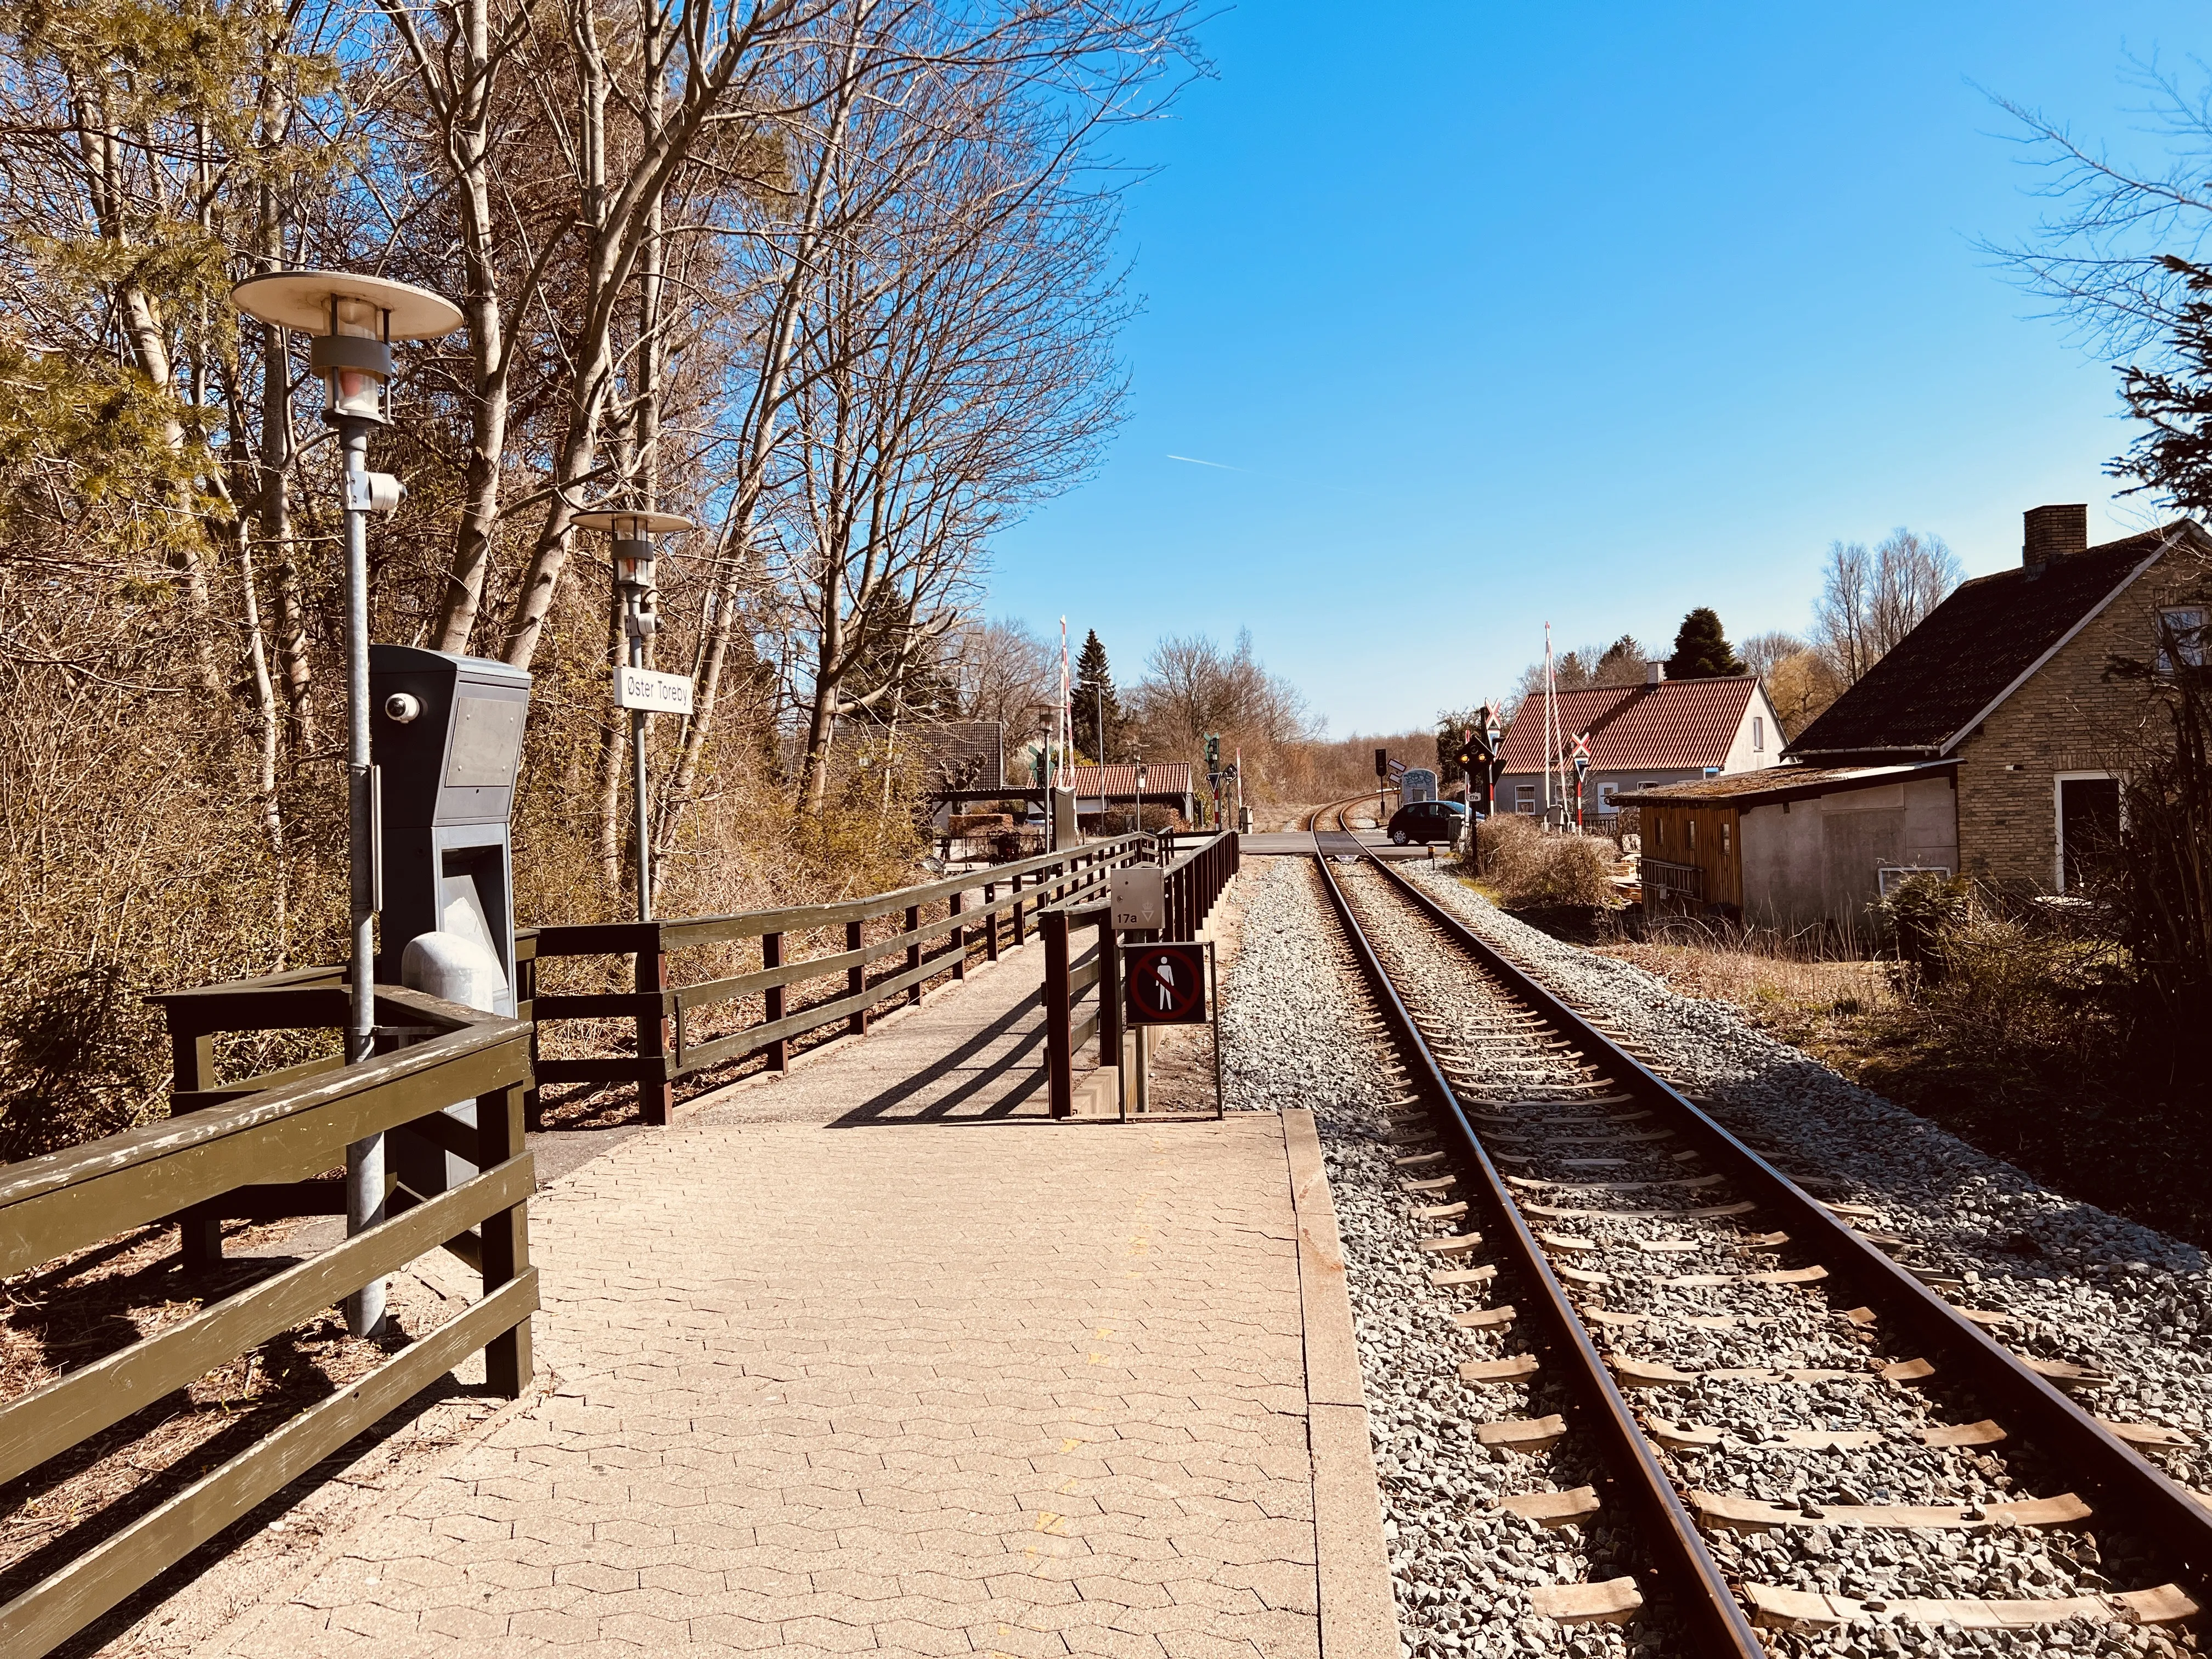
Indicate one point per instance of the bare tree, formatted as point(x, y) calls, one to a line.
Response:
point(2119, 254)
point(1870, 601)
point(1004, 672)
point(1762, 651)
point(1193, 688)
point(955, 365)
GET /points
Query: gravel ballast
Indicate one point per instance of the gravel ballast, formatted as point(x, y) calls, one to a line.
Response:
point(2085, 1286)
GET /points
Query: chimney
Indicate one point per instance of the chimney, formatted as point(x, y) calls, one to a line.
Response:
point(2054, 533)
point(1654, 672)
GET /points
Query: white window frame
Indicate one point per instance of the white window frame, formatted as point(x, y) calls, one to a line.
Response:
point(2193, 650)
point(2058, 780)
point(1524, 799)
point(1757, 734)
point(1606, 792)
point(1887, 876)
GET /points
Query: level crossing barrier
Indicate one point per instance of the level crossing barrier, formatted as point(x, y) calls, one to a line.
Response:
point(269, 1139)
point(1192, 882)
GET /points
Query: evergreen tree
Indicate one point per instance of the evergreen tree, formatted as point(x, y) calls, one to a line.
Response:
point(1098, 719)
point(1701, 649)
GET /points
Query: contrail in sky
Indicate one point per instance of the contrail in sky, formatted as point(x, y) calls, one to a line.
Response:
point(1194, 461)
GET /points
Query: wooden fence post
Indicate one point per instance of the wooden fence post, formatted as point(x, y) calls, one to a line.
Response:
point(959, 938)
point(505, 1238)
point(1018, 935)
point(779, 1051)
point(914, 953)
point(856, 980)
point(191, 1060)
point(1110, 992)
point(525, 997)
point(1059, 1027)
point(656, 1091)
point(991, 926)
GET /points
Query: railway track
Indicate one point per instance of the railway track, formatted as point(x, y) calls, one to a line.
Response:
point(1659, 1317)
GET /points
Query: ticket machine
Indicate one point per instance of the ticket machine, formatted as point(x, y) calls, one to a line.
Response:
point(446, 737)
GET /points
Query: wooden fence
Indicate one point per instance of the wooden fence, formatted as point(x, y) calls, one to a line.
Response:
point(924, 947)
point(1194, 882)
point(273, 1138)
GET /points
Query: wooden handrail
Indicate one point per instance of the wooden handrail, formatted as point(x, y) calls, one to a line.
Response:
point(663, 1012)
point(54, 1205)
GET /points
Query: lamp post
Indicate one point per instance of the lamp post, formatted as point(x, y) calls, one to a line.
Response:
point(635, 561)
point(354, 320)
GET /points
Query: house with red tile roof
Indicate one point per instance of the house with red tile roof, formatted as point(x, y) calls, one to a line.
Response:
point(1639, 737)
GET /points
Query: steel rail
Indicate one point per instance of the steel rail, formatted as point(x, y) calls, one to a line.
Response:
point(2134, 1492)
point(1716, 1622)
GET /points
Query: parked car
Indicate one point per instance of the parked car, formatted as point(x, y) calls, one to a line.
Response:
point(1428, 821)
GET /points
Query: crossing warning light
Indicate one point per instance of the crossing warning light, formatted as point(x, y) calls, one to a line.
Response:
point(1382, 762)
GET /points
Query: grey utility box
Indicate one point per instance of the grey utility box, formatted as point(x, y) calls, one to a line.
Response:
point(446, 737)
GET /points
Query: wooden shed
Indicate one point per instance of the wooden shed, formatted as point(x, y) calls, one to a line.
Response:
point(1795, 846)
point(1693, 854)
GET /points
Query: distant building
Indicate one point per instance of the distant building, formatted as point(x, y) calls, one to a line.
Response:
point(1987, 743)
point(1640, 738)
point(1102, 789)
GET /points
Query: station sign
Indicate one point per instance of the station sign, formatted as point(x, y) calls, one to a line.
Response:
point(655, 693)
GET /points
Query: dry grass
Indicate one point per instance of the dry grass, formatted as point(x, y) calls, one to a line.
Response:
point(1523, 867)
point(1776, 991)
point(2022, 1043)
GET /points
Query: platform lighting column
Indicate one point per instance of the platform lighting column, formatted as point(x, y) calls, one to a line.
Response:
point(636, 562)
point(354, 320)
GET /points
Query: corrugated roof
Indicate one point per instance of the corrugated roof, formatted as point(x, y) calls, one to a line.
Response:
point(1161, 778)
point(1971, 648)
point(1675, 725)
point(1778, 782)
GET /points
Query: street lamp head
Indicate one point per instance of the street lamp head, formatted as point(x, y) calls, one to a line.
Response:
point(633, 532)
point(354, 319)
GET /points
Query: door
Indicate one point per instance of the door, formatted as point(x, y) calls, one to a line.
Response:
point(2088, 827)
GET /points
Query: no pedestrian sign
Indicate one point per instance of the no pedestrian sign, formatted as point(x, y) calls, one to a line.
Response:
point(1167, 984)
point(657, 694)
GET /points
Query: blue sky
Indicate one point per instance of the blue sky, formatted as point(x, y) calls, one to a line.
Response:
point(1585, 313)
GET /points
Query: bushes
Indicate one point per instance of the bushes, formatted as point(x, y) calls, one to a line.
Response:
point(1921, 917)
point(1524, 867)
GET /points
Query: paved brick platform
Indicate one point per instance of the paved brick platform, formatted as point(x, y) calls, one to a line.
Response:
point(919, 1386)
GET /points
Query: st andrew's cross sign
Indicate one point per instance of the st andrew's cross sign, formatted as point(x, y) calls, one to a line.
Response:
point(1167, 984)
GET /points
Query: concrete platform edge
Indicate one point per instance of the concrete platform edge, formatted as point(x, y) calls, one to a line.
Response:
point(1358, 1607)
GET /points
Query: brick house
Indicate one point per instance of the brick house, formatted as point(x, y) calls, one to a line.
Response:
point(1640, 737)
point(1988, 743)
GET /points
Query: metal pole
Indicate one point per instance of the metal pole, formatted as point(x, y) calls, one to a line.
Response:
point(634, 623)
point(364, 1309)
